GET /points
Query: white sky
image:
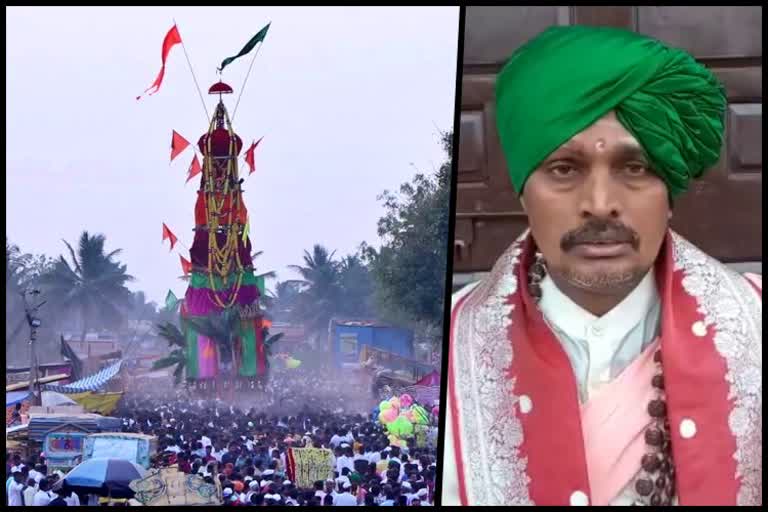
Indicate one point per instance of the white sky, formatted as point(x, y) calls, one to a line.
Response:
point(349, 101)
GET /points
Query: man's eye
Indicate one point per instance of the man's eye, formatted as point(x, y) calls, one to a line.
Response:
point(636, 169)
point(562, 170)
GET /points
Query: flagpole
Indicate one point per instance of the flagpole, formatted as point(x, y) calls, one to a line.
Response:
point(242, 89)
point(189, 63)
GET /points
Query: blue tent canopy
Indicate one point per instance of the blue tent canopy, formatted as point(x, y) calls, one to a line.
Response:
point(14, 397)
point(91, 383)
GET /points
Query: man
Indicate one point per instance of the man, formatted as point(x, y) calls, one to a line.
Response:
point(231, 456)
point(15, 489)
point(319, 490)
point(359, 453)
point(422, 495)
point(330, 488)
point(209, 457)
point(407, 490)
point(199, 450)
point(343, 478)
point(184, 465)
point(383, 463)
point(344, 458)
point(390, 497)
point(253, 488)
point(58, 501)
point(605, 359)
point(337, 438)
point(372, 454)
point(17, 464)
point(71, 497)
point(16, 416)
point(43, 495)
point(229, 498)
point(37, 473)
point(28, 493)
point(344, 498)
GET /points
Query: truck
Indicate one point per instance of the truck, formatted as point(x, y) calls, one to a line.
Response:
point(381, 355)
point(348, 339)
point(137, 448)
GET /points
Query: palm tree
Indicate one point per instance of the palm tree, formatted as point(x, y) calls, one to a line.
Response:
point(318, 302)
point(140, 309)
point(91, 284)
point(266, 275)
point(266, 300)
point(356, 287)
point(22, 271)
point(284, 299)
point(177, 357)
point(14, 277)
point(223, 328)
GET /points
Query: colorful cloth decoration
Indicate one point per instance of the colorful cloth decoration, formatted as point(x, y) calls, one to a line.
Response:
point(178, 144)
point(168, 235)
point(222, 284)
point(259, 37)
point(172, 38)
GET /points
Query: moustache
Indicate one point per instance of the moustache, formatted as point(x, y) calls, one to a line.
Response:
point(600, 231)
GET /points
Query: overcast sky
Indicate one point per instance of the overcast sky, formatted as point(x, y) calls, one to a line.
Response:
point(350, 101)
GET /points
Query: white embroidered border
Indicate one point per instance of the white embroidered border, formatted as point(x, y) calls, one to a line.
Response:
point(730, 306)
point(490, 433)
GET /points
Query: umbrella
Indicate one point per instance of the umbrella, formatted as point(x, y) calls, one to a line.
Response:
point(105, 477)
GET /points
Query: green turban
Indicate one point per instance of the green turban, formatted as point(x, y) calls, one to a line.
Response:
point(565, 79)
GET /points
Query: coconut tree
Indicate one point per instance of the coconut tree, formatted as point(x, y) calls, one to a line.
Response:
point(177, 356)
point(319, 299)
point(91, 283)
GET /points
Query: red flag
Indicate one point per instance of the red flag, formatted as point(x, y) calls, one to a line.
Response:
point(167, 235)
point(186, 265)
point(178, 144)
point(171, 38)
point(249, 156)
point(194, 169)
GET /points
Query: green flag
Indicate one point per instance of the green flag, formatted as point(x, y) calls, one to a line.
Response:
point(171, 301)
point(259, 37)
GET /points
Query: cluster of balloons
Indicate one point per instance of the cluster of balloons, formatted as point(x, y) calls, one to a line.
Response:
point(288, 360)
point(400, 414)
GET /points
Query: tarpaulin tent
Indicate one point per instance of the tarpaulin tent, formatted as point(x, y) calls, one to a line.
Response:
point(91, 383)
point(427, 389)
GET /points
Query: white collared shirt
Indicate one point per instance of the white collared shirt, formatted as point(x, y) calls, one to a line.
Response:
point(599, 348)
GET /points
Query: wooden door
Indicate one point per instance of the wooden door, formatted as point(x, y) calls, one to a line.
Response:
point(721, 214)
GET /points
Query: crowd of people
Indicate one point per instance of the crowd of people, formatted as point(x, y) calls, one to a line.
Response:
point(244, 447)
point(246, 450)
point(29, 483)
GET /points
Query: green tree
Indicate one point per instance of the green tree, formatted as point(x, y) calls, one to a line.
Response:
point(321, 291)
point(409, 269)
point(91, 284)
point(356, 285)
point(22, 272)
point(177, 356)
point(141, 310)
point(284, 300)
point(266, 300)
